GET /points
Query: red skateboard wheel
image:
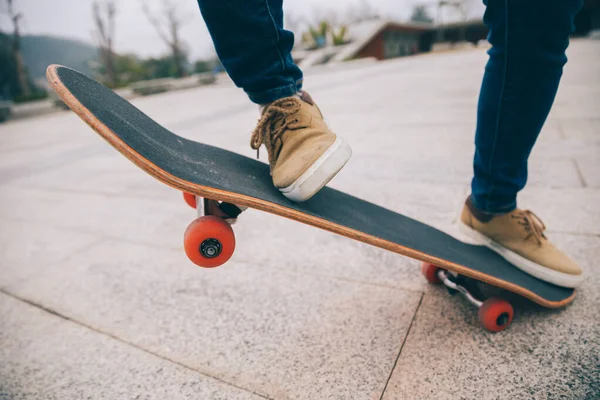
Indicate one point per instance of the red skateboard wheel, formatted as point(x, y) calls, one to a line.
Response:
point(430, 271)
point(190, 199)
point(496, 314)
point(209, 241)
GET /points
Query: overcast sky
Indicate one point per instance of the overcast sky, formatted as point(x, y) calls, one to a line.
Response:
point(73, 18)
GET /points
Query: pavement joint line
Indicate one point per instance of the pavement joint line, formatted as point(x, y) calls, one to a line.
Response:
point(158, 245)
point(150, 352)
point(561, 131)
point(61, 260)
point(104, 238)
point(584, 118)
point(173, 248)
point(334, 277)
point(412, 321)
point(579, 173)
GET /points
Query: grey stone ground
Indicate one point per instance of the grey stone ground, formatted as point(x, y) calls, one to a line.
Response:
point(97, 299)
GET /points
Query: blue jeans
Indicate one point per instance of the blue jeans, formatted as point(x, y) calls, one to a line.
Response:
point(528, 37)
point(253, 47)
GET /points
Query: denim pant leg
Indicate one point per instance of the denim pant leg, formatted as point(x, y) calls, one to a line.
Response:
point(528, 39)
point(253, 46)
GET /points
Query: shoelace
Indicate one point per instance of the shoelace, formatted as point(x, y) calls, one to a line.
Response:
point(532, 224)
point(266, 130)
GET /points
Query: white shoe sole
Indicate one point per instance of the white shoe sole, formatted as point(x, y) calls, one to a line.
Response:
point(320, 172)
point(539, 271)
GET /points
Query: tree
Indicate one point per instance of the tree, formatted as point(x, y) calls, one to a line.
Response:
point(461, 6)
point(207, 65)
point(9, 80)
point(104, 19)
point(319, 33)
point(128, 68)
point(339, 37)
point(169, 32)
point(362, 11)
point(15, 17)
point(420, 14)
point(316, 36)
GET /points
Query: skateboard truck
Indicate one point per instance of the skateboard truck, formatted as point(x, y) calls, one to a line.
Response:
point(445, 278)
point(495, 314)
point(200, 204)
point(209, 240)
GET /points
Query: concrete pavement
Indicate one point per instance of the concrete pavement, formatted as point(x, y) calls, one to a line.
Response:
point(97, 298)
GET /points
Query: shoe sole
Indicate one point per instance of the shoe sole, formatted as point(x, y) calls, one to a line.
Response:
point(539, 271)
point(320, 172)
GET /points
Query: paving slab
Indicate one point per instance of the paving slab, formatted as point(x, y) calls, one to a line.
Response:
point(47, 357)
point(279, 334)
point(36, 133)
point(299, 312)
point(275, 242)
point(137, 219)
point(450, 169)
point(108, 174)
point(544, 354)
point(568, 148)
point(589, 168)
point(583, 129)
point(565, 210)
point(26, 248)
point(160, 220)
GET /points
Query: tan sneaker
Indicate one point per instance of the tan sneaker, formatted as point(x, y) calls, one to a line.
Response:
point(303, 153)
point(519, 237)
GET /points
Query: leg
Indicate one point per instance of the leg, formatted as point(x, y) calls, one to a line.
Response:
point(529, 39)
point(253, 46)
point(304, 155)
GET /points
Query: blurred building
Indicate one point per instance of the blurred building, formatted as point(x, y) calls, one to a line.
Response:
point(375, 38)
point(384, 39)
point(471, 31)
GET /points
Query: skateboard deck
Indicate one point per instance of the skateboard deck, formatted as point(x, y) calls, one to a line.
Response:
point(214, 173)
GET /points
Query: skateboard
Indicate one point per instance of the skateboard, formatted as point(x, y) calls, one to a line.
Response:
point(237, 182)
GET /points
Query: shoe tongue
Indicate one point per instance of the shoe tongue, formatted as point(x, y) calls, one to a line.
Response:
point(304, 96)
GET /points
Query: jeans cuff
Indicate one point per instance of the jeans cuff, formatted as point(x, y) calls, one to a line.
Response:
point(494, 209)
point(269, 96)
